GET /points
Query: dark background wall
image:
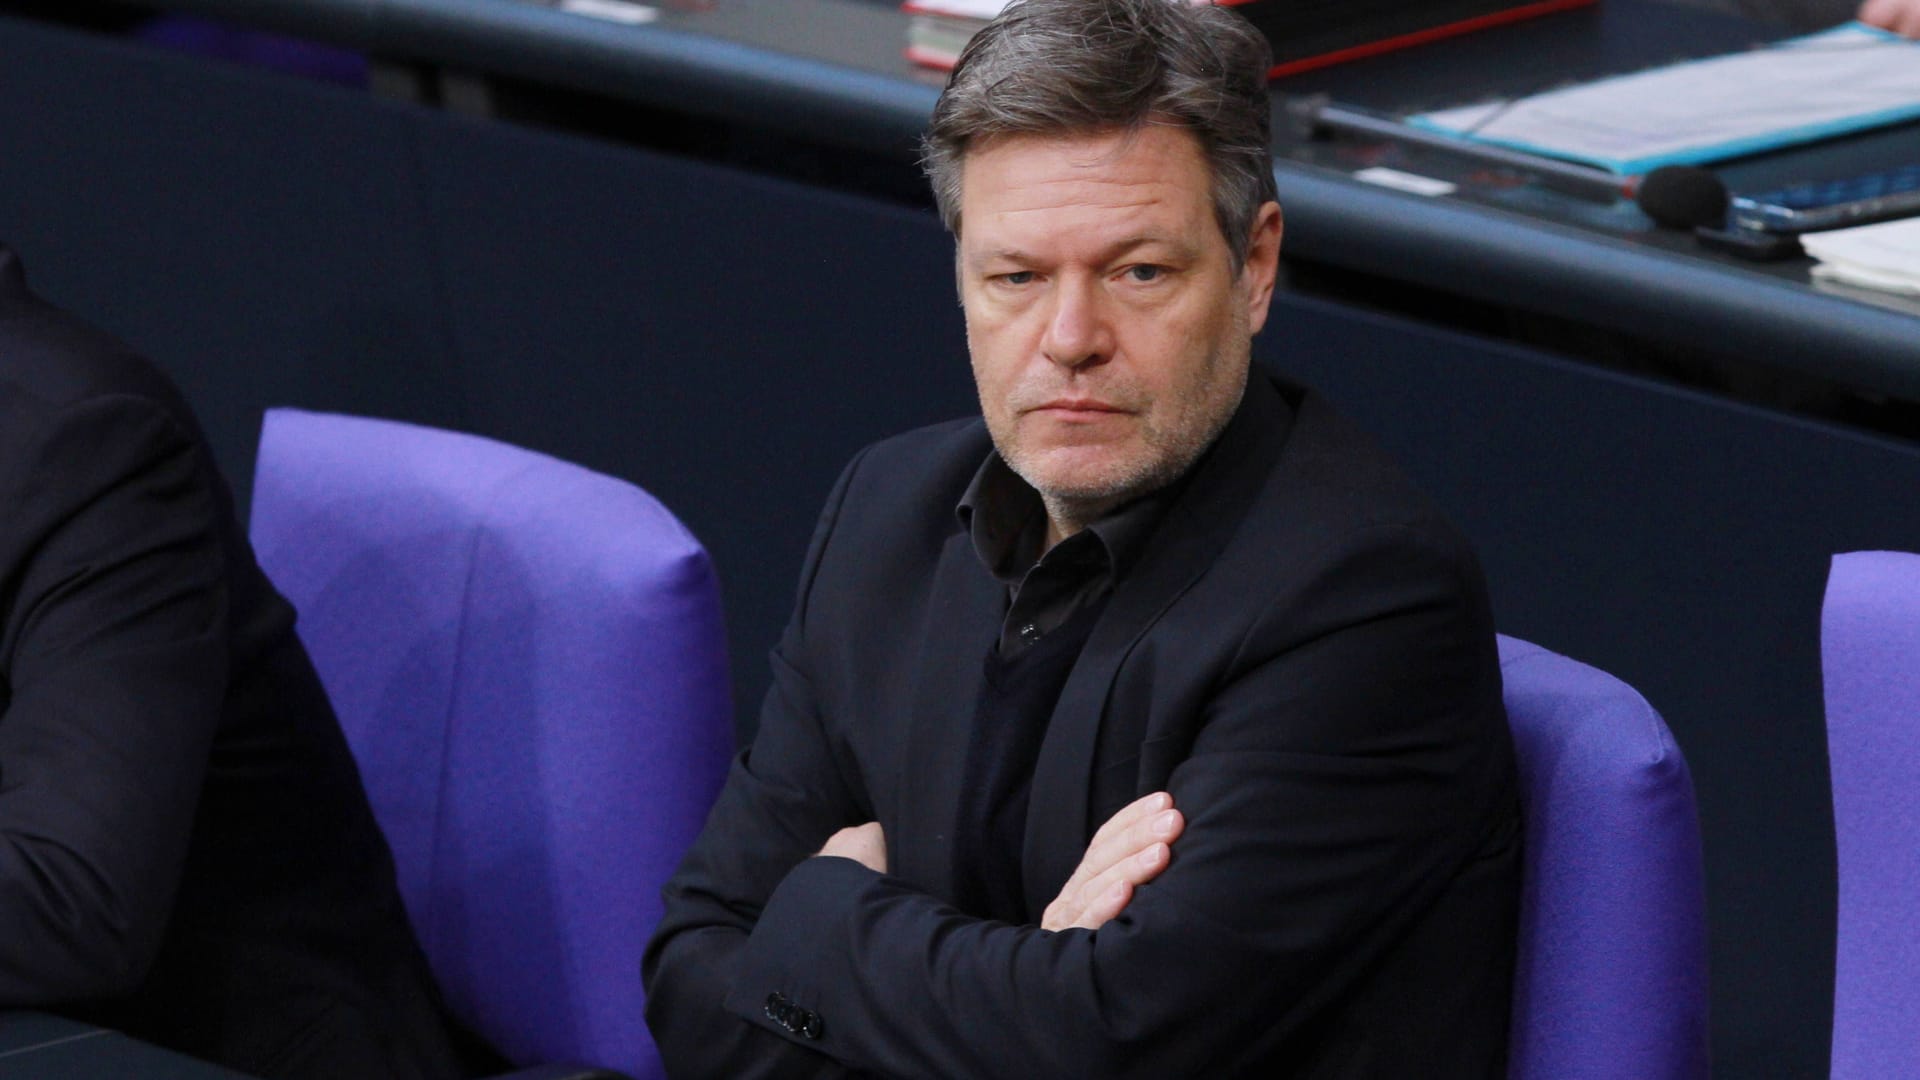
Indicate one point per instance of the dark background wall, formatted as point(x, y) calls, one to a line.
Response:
point(726, 340)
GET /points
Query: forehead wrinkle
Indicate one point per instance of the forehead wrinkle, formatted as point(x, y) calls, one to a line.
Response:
point(1142, 203)
point(1118, 247)
point(1075, 207)
point(1174, 242)
point(1076, 196)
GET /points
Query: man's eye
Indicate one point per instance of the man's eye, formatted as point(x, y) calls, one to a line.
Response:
point(1146, 272)
point(1018, 277)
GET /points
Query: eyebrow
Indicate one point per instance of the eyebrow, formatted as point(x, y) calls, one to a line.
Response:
point(1113, 251)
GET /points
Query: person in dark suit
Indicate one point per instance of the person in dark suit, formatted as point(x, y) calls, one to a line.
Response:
point(1149, 725)
point(186, 853)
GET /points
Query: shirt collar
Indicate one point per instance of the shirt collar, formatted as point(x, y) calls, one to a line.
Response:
point(1007, 522)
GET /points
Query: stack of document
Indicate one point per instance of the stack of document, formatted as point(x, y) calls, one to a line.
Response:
point(1884, 256)
point(1846, 79)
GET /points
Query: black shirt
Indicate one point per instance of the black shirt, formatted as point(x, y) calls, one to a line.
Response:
point(1054, 599)
point(1008, 524)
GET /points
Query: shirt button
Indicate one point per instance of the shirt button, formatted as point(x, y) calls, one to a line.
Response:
point(812, 1028)
point(1029, 633)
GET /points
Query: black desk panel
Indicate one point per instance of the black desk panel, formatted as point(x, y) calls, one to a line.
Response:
point(831, 71)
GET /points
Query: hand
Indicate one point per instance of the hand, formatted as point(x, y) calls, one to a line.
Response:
point(1900, 16)
point(864, 844)
point(1129, 850)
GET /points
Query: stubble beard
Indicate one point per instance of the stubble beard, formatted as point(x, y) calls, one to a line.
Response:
point(1166, 452)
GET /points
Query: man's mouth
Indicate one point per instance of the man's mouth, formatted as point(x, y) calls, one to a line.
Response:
point(1087, 408)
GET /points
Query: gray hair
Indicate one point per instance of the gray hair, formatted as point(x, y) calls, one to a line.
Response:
point(1065, 67)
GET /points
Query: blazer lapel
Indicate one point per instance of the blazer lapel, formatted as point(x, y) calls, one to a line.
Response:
point(962, 621)
point(1198, 524)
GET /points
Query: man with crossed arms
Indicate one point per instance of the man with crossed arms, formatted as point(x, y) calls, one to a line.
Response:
point(1148, 725)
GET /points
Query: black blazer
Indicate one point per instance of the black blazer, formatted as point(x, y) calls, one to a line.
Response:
point(186, 853)
point(1302, 655)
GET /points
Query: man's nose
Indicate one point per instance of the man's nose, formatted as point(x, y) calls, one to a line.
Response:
point(1078, 331)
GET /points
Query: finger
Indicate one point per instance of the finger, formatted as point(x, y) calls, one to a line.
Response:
point(1102, 850)
point(1087, 909)
point(842, 839)
point(1131, 815)
point(1105, 909)
point(1101, 899)
point(1095, 894)
point(1161, 828)
point(1143, 866)
point(865, 844)
point(1127, 831)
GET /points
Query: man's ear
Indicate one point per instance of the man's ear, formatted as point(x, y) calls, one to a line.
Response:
point(1263, 263)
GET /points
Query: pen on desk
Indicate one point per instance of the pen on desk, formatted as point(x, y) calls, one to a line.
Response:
point(1677, 196)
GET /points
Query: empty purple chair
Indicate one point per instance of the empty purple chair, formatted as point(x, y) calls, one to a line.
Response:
point(1870, 655)
point(1611, 976)
point(528, 660)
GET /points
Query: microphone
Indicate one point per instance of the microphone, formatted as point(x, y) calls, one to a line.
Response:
point(1674, 196)
point(1682, 197)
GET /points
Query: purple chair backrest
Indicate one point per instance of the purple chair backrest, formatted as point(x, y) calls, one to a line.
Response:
point(1611, 975)
point(1870, 656)
point(529, 663)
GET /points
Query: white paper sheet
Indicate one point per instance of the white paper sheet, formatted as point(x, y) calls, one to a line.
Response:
point(620, 11)
point(1885, 256)
point(959, 9)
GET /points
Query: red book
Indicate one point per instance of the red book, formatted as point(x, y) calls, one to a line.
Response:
point(1305, 34)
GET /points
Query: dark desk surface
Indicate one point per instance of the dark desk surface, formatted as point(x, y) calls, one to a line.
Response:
point(1537, 250)
point(832, 72)
point(47, 1047)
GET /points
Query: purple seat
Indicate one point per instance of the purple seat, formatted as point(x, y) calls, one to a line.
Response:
point(1870, 655)
point(528, 660)
point(1611, 976)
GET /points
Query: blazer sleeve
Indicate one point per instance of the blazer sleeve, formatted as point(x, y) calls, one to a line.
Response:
point(784, 797)
point(113, 670)
point(1342, 772)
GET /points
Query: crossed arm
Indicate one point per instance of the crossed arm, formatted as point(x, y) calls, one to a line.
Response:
point(1128, 851)
point(1324, 803)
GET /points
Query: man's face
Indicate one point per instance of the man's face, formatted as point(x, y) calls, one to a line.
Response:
point(1109, 332)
